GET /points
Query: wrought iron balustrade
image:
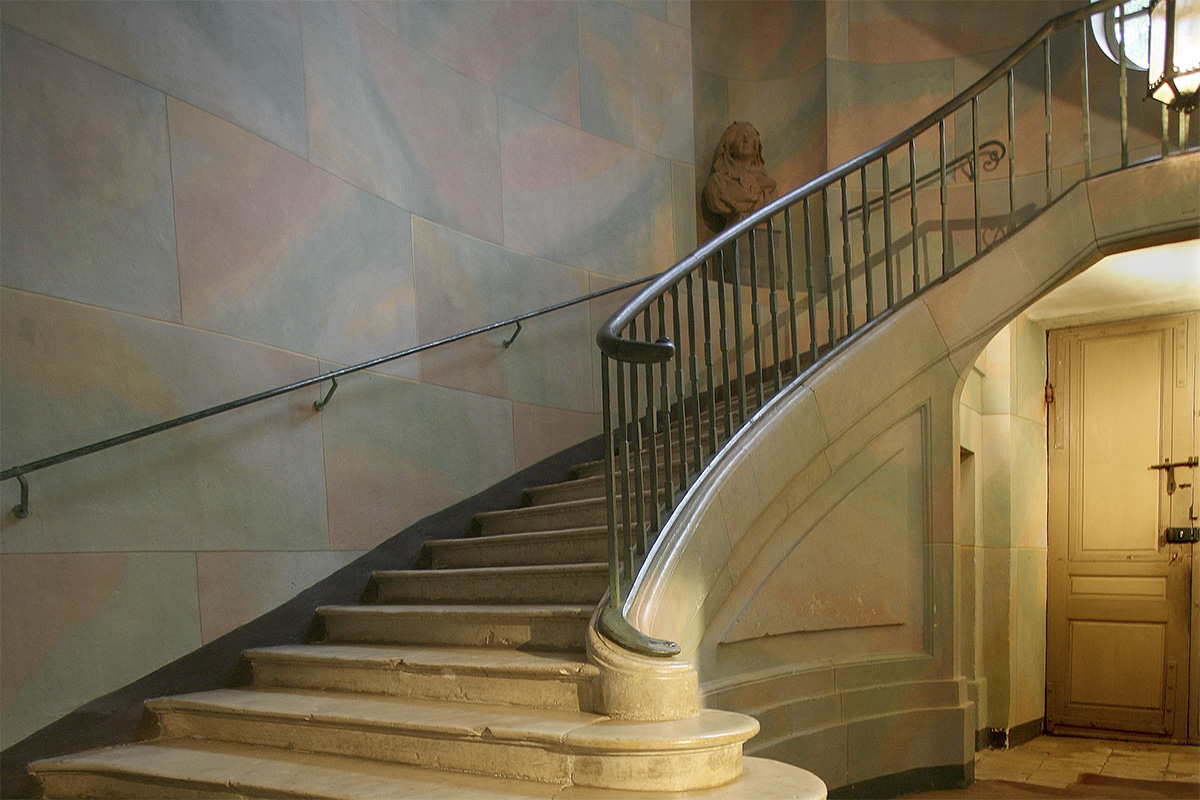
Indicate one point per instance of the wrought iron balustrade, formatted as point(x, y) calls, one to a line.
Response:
point(682, 371)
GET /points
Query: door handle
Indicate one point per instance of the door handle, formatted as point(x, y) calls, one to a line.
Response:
point(1182, 536)
point(1170, 467)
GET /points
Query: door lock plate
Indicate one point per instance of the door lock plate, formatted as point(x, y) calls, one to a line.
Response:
point(1183, 535)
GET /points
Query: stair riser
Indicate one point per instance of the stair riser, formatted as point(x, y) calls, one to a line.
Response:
point(538, 633)
point(513, 759)
point(595, 469)
point(677, 771)
point(482, 553)
point(561, 693)
point(440, 589)
point(564, 493)
point(586, 491)
point(93, 786)
point(544, 518)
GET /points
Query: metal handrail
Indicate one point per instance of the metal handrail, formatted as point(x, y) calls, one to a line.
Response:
point(21, 510)
point(635, 348)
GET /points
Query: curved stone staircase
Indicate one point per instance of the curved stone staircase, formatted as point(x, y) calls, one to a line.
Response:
point(468, 678)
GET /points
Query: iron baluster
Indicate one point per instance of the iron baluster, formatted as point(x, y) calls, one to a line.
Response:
point(706, 278)
point(738, 348)
point(791, 289)
point(866, 223)
point(638, 541)
point(679, 419)
point(665, 399)
point(1049, 119)
point(623, 462)
point(942, 183)
point(653, 436)
point(912, 192)
point(975, 169)
point(848, 289)
point(828, 267)
point(1086, 100)
point(1012, 154)
point(772, 287)
point(693, 363)
point(614, 564)
point(887, 232)
point(727, 386)
point(754, 320)
point(808, 282)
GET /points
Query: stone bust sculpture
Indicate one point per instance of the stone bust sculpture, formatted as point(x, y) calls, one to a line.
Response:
point(739, 183)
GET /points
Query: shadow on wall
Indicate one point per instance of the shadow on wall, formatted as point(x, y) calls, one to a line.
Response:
point(117, 717)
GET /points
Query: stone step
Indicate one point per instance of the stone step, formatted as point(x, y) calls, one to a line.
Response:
point(536, 627)
point(579, 489)
point(529, 744)
point(592, 469)
point(549, 517)
point(585, 489)
point(560, 681)
point(170, 769)
point(543, 583)
point(570, 546)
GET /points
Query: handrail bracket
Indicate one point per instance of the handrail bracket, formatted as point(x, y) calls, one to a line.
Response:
point(508, 342)
point(324, 401)
point(21, 510)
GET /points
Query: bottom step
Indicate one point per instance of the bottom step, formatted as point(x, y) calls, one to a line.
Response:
point(179, 769)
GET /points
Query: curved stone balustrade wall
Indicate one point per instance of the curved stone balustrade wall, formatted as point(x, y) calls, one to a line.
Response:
point(812, 574)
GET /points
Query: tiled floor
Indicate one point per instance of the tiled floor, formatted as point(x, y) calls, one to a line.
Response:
point(1058, 761)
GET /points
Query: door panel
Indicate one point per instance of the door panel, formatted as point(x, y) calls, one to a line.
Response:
point(1136, 651)
point(1119, 596)
point(1121, 428)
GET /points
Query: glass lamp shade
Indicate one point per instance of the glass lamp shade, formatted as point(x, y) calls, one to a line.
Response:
point(1174, 75)
point(1124, 30)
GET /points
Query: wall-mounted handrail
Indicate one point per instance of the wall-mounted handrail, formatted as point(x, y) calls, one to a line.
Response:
point(19, 472)
point(635, 348)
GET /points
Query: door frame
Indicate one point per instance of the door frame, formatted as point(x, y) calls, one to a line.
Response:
point(1183, 352)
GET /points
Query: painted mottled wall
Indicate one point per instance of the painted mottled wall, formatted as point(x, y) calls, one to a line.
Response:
point(826, 81)
point(204, 200)
point(761, 61)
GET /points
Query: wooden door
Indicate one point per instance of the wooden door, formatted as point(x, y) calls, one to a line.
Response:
point(1119, 610)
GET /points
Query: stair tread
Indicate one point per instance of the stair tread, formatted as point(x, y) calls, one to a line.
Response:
point(262, 771)
point(525, 536)
point(544, 508)
point(271, 772)
point(507, 570)
point(588, 481)
point(573, 730)
point(419, 658)
point(514, 610)
point(443, 718)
